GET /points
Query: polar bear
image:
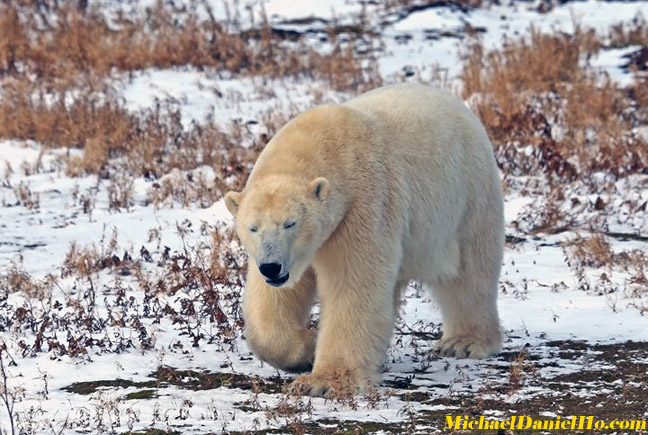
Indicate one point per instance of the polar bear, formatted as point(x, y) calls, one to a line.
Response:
point(349, 203)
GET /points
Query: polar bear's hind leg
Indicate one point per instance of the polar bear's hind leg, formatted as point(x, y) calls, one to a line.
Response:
point(471, 327)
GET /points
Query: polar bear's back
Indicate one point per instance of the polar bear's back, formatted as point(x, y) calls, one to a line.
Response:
point(442, 159)
point(422, 109)
point(430, 128)
point(431, 134)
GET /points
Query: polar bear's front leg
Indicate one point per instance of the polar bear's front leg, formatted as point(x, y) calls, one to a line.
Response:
point(355, 327)
point(276, 321)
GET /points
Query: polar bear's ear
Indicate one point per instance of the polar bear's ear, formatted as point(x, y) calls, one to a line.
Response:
point(320, 188)
point(232, 201)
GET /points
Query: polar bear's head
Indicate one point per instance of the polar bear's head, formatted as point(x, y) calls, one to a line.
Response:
point(279, 221)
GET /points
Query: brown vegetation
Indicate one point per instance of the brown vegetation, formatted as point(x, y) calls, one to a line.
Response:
point(626, 34)
point(544, 111)
point(151, 143)
point(76, 41)
point(54, 66)
point(536, 93)
point(194, 288)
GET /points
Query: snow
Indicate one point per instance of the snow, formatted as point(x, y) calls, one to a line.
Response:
point(540, 299)
point(500, 23)
point(15, 154)
point(296, 9)
point(560, 314)
point(541, 315)
point(193, 92)
point(612, 62)
point(437, 18)
point(202, 94)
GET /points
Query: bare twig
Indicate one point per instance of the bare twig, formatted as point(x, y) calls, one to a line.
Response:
point(8, 398)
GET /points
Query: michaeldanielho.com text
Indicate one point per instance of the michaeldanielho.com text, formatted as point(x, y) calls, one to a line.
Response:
point(557, 423)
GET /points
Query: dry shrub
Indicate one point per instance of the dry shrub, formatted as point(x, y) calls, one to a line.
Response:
point(120, 192)
point(204, 282)
point(88, 261)
point(596, 253)
point(72, 118)
point(85, 263)
point(197, 289)
point(26, 197)
point(185, 188)
point(593, 252)
point(13, 40)
point(521, 370)
point(546, 112)
point(227, 261)
point(547, 215)
point(56, 58)
point(151, 143)
point(77, 41)
point(221, 263)
point(639, 93)
point(522, 67)
point(293, 411)
point(80, 262)
point(635, 262)
point(16, 279)
point(625, 34)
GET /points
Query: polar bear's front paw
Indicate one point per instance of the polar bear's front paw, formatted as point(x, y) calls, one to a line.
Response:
point(310, 385)
point(294, 353)
point(337, 385)
point(467, 347)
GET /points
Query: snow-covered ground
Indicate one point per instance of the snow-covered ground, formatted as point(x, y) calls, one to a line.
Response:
point(187, 373)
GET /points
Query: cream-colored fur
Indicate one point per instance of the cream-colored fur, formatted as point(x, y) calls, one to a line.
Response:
point(352, 201)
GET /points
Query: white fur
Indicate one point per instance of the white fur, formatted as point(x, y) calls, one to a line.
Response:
point(411, 192)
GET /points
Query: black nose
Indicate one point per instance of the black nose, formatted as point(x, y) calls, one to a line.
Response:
point(270, 270)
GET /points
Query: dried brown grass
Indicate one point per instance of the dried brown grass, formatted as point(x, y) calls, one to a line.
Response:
point(56, 58)
point(532, 93)
point(538, 93)
point(521, 370)
point(634, 32)
point(15, 279)
point(151, 143)
point(594, 252)
point(75, 42)
point(83, 119)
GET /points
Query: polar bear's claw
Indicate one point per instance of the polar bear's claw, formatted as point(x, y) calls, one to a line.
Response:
point(466, 347)
point(333, 386)
point(310, 385)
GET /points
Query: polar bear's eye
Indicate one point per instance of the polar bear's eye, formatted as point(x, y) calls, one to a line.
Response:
point(253, 228)
point(289, 224)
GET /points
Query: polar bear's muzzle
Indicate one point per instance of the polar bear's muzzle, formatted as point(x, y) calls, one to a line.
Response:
point(272, 273)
